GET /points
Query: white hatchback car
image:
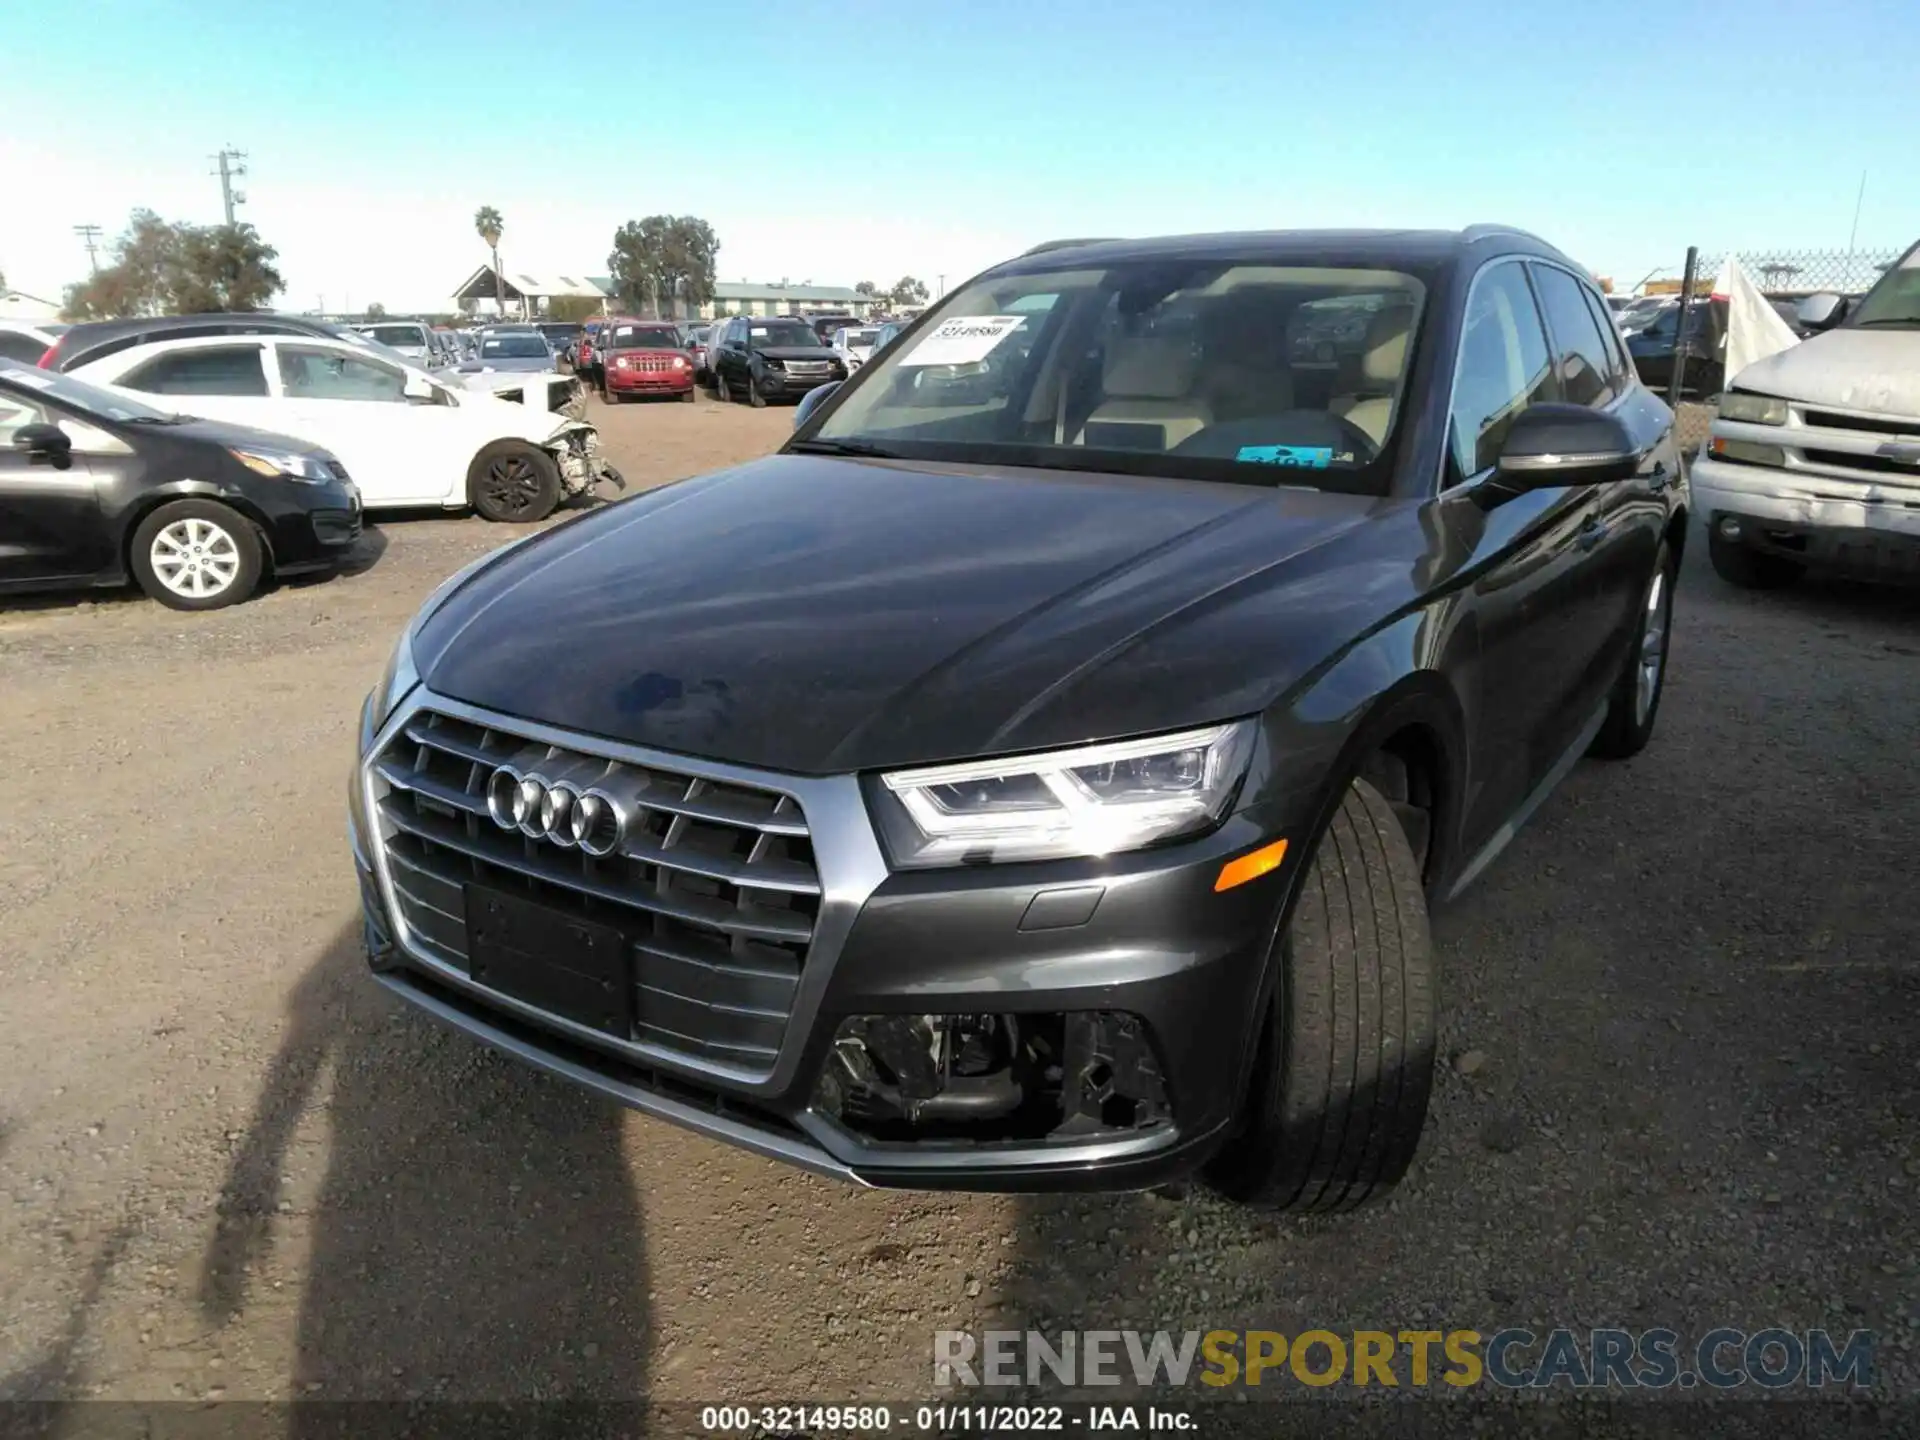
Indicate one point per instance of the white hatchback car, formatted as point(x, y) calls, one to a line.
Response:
point(406, 438)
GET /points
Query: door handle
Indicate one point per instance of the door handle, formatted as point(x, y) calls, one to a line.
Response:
point(1660, 478)
point(1592, 531)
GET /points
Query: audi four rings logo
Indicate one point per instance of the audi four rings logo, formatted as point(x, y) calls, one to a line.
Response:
point(556, 810)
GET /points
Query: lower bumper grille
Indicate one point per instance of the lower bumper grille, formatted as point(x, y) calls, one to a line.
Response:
point(711, 886)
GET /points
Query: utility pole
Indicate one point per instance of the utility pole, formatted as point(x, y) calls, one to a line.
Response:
point(90, 237)
point(231, 165)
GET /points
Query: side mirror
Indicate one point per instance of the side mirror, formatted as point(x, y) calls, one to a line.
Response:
point(813, 400)
point(419, 391)
point(1554, 444)
point(1822, 311)
point(48, 443)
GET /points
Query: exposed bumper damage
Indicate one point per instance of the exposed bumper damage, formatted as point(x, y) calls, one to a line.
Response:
point(583, 463)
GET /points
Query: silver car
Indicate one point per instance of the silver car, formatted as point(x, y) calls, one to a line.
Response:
point(406, 337)
point(510, 350)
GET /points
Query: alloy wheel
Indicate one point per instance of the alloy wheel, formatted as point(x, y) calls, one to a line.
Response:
point(511, 486)
point(1653, 649)
point(195, 558)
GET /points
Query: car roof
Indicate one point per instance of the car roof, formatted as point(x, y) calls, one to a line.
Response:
point(1371, 248)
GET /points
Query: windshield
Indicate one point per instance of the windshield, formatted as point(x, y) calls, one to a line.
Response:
point(414, 335)
point(1259, 374)
point(1894, 301)
point(514, 347)
point(784, 332)
point(92, 400)
point(642, 337)
point(853, 338)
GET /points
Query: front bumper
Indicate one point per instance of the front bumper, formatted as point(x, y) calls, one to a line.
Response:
point(778, 385)
point(650, 382)
point(314, 528)
point(1159, 945)
point(1822, 519)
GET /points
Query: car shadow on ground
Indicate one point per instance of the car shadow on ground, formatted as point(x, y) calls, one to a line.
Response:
point(476, 1236)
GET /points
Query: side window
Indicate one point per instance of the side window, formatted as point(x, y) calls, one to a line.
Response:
point(310, 373)
point(17, 412)
point(1584, 363)
point(1503, 368)
point(214, 370)
point(1620, 372)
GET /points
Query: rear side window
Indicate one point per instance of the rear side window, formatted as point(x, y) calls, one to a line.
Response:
point(1619, 368)
point(215, 370)
point(1585, 366)
point(1503, 368)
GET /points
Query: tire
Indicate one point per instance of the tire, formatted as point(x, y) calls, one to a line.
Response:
point(1751, 569)
point(688, 398)
point(722, 391)
point(754, 397)
point(196, 555)
point(1635, 702)
point(1339, 1088)
point(513, 482)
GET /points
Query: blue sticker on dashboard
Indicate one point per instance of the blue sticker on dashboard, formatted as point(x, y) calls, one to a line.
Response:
point(1311, 457)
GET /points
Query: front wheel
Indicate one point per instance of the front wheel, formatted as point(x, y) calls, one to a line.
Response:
point(722, 391)
point(1344, 1067)
point(754, 397)
point(196, 555)
point(513, 482)
point(1635, 700)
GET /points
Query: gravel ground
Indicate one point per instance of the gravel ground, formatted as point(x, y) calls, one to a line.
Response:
point(1678, 1014)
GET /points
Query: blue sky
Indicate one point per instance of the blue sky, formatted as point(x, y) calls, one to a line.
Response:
point(836, 142)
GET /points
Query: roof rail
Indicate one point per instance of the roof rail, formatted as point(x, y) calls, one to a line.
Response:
point(1045, 245)
point(1482, 231)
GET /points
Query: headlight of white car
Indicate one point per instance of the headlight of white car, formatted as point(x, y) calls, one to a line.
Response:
point(1095, 800)
point(1753, 409)
point(285, 465)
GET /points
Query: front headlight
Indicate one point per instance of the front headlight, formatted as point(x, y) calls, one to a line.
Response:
point(286, 465)
point(1754, 409)
point(396, 683)
point(1096, 800)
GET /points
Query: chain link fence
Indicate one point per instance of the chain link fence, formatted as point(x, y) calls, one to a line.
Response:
point(1784, 276)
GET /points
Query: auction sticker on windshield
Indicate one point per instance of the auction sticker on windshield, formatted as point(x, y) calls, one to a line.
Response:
point(962, 342)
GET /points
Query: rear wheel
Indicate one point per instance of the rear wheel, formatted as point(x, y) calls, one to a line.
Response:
point(196, 555)
point(1635, 700)
point(514, 482)
point(1340, 1084)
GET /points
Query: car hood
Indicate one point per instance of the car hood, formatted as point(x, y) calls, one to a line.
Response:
point(1876, 371)
point(509, 364)
point(230, 436)
point(816, 615)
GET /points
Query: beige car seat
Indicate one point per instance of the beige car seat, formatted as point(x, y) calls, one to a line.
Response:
point(1146, 381)
point(1382, 363)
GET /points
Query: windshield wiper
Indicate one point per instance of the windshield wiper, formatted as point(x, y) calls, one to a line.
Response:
point(844, 447)
point(1887, 320)
point(155, 420)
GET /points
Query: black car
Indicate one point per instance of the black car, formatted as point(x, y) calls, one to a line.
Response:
point(99, 487)
point(97, 339)
point(769, 359)
point(1042, 783)
point(1655, 346)
point(561, 337)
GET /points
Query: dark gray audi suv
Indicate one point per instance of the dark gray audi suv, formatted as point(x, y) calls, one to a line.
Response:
point(1037, 774)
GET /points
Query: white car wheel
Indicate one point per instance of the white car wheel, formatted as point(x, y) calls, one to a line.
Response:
point(195, 559)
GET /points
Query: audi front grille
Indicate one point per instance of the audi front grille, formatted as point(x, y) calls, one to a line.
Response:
point(711, 885)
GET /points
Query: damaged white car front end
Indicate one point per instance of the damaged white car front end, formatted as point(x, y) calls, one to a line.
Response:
point(546, 391)
point(583, 463)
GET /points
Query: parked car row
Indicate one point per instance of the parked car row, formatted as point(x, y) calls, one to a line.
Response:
point(323, 422)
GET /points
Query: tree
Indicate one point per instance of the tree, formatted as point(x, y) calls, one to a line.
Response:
point(178, 269)
point(572, 308)
point(907, 291)
point(868, 289)
point(487, 224)
point(670, 257)
point(376, 311)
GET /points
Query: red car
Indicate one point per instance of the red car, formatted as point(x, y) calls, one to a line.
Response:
point(643, 357)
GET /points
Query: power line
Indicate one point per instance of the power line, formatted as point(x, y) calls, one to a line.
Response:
point(230, 165)
point(90, 237)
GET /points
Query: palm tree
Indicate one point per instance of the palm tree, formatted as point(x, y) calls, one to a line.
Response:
point(487, 222)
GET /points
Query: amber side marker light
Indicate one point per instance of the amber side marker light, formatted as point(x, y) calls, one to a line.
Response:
point(1251, 866)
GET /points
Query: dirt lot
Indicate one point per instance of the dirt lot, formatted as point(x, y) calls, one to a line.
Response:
point(1679, 1016)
